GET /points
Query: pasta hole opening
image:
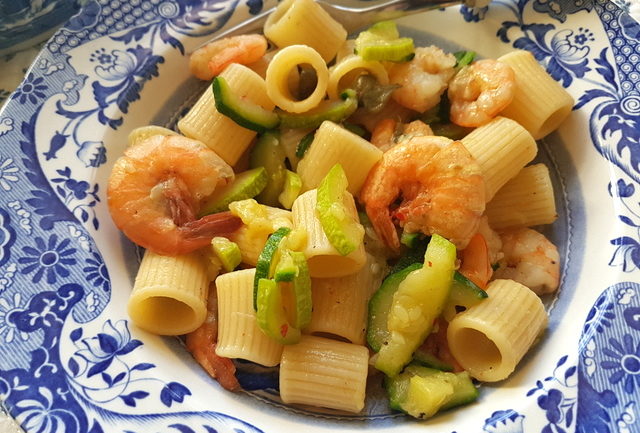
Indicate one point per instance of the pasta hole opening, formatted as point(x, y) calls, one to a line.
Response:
point(474, 349)
point(553, 121)
point(168, 316)
point(307, 81)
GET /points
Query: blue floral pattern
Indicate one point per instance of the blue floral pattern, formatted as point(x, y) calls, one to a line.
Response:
point(70, 369)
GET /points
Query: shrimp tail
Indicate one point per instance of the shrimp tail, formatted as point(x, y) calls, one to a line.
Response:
point(384, 227)
point(209, 226)
point(181, 207)
point(202, 345)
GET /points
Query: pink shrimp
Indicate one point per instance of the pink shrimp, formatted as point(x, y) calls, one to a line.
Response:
point(480, 91)
point(530, 259)
point(208, 61)
point(155, 190)
point(202, 345)
point(424, 79)
point(441, 187)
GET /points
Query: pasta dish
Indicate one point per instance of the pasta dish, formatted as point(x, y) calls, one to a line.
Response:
point(348, 210)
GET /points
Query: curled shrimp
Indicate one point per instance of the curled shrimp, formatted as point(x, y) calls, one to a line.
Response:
point(155, 190)
point(424, 79)
point(530, 259)
point(388, 132)
point(208, 61)
point(202, 345)
point(480, 91)
point(440, 186)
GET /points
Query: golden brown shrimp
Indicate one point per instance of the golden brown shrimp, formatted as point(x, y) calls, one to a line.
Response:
point(208, 61)
point(424, 79)
point(530, 259)
point(440, 185)
point(480, 91)
point(155, 190)
point(202, 345)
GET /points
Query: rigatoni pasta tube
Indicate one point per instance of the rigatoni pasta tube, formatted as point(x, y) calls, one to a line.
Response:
point(333, 144)
point(238, 333)
point(279, 72)
point(340, 305)
point(169, 295)
point(345, 72)
point(323, 259)
point(204, 123)
point(526, 200)
point(304, 22)
point(502, 148)
point(322, 372)
point(490, 338)
point(540, 103)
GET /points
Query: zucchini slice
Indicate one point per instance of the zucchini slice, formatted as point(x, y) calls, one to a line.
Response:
point(242, 111)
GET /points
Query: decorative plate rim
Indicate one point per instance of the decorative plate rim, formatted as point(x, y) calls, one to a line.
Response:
point(54, 283)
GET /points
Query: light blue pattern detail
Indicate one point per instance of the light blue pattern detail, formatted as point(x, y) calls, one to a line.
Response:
point(100, 365)
point(556, 396)
point(8, 173)
point(504, 421)
point(6, 123)
point(609, 368)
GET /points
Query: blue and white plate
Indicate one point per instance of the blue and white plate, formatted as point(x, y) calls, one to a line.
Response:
point(70, 360)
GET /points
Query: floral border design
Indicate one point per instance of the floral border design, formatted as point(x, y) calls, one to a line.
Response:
point(51, 207)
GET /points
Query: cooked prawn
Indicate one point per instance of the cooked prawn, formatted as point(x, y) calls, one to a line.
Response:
point(530, 259)
point(494, 243)
point(202, 345)
point(480, 91)
point(155, 190)
point(208, 61)
point(440, 185)
point(388, 132)
point(424, 79)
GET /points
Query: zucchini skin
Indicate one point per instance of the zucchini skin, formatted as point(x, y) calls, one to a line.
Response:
point(244, 113)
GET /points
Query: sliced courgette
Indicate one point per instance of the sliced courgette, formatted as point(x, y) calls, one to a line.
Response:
point(423, 293)
point(291, 190)
point(421, 392)
point(228, 252)
point(242, 111)
point(464, 293)
point(382, 42)
point(245, 185)
point(267, 260)
point(268, 153)
point(380, 304)
point(344, 231)
point(333, 110)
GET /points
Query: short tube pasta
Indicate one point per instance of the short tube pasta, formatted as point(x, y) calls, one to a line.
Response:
point(238, 333)
point(526, 200)
point(305, 22)
point(340, 305)
point(332, 145)
point(348, 69)
point(204, 123)
point(278, 78)
point(502, 148)
point(323, 259)
point(323, 372)
point(489, 344)
point(540, 103)
point(169, 295)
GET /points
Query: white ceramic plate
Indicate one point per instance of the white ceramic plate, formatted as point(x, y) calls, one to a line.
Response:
point(70, 361)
